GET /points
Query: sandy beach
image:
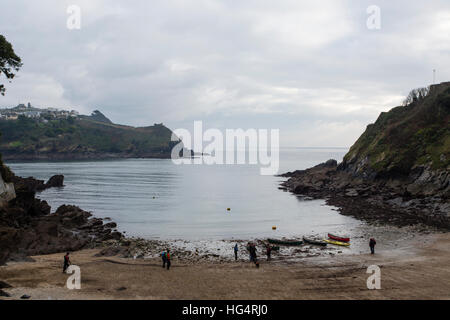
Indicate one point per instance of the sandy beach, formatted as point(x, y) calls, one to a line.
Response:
point(419, 271)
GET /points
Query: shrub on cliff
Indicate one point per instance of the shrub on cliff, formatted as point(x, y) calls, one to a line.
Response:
point(406, 136)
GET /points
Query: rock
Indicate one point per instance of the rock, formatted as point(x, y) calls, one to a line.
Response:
point(116, 235)
point(55, 181)
point(111, 225)
point(48, 228)
point(4, 285)
point(95, 222)
point(351, 193)
point(72, 216)
point(28, 228)
point(29, 184)
point(7, 192)
point(125, 242)
point(9, 238)
point(41, 207)
point(4, 294)
point(330, 163)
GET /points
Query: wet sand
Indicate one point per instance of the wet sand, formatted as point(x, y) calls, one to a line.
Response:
point(419, 271)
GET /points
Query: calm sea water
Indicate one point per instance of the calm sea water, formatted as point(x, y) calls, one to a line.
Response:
point(155, 198)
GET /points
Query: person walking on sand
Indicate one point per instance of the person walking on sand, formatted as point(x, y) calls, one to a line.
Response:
point(164, 258)
point(249, 245)
point(66, 262)
point(235, 252)
point(268, 251)
point(168, 259)
point(253, 257)
point(372, 244)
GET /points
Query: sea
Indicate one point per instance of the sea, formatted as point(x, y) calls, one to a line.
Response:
point(157, 199)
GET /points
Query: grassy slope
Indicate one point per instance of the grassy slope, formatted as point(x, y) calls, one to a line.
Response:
point(25, 136)
point(406, 136)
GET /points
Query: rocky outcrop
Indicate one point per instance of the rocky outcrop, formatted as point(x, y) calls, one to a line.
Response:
point(28, 228)
point(57, 181)
point(7, 192)
point(35, 185)
point(422, 199)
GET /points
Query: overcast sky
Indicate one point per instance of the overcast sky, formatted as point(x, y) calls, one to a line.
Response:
point(310, 68)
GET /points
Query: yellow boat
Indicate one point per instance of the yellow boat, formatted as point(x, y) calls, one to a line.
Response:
point(338, 243)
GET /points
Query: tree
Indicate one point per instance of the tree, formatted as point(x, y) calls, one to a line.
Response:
point(416, 95)
point(9, 62)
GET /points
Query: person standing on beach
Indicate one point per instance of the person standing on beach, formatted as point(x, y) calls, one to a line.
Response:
point(168, 259)
point(66, 262)
point(268, 251)
point(252, 250)
point(372, 244)
point(235, 252)
point(249, 251)
point(164, 258)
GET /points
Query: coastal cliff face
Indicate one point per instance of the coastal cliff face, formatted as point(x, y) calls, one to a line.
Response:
point(409, 145)
point(398, 171)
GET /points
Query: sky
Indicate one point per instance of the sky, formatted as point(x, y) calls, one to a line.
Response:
point(312, 69)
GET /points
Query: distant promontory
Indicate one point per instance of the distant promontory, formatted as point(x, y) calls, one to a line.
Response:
point(29, 133)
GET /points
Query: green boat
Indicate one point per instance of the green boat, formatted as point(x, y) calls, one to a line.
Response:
point(315, 242)
point(285, 242)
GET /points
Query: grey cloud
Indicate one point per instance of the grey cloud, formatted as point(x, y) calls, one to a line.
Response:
point(299, 66)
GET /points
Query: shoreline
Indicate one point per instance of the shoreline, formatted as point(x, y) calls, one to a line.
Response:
point(105, 254)
point(417, 272)
point(80, 157)
point(387, 202)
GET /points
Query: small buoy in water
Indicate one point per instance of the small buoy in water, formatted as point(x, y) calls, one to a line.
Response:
point(228, 209)
point(274, 228)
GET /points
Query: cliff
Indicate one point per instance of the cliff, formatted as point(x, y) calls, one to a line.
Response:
point(397, 171)
point(82, 137)
point(409, 145)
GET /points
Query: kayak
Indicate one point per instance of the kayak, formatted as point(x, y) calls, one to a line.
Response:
point(315, 242)
point(337, 238)
point(285, 242)
point(338, 243)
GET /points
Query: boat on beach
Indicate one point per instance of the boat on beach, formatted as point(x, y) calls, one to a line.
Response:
point(314, 242)
point(338, 243)
point(338, 238)
point(285, 242)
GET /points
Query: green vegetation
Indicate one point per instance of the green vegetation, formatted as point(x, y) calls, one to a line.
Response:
point(9, 62)
point(75, 138)
point(414, 134)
